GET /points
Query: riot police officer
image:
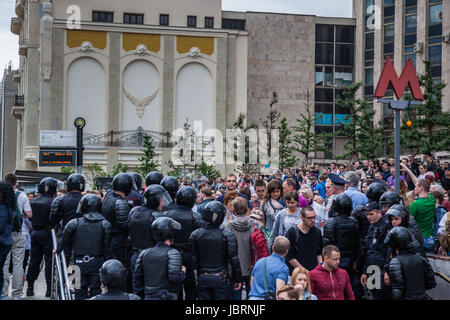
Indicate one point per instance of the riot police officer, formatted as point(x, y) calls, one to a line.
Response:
point(64, 208)
point(398, 215)
point(342, 231)
point(89, 237)
point(159, 271)
point(388, 199)
point(135, 198)
point(171, 185)
point(112, 276)
point(375, 252)
point(115, 209)
point(411, 275)
point(189, 221)
point(137, 180)
point(153, 177)
point(141, 218)
point(41, 239)
point(213, 249)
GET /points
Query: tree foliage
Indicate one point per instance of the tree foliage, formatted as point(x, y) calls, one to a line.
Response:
point(118, 168)
point(147, 160)
point(305, 138)
point(287, 158)
point(358, 126)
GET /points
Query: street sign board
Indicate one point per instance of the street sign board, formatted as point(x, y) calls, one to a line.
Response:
point(57, 158)
point(57, 139)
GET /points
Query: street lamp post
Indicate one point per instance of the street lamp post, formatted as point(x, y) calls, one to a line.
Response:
point(79, 123)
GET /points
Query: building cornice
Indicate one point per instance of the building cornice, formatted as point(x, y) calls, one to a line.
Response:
point(150, 29)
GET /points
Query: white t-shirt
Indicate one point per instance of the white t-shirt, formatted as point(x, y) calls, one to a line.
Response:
point(23, 203)
point(442, 223)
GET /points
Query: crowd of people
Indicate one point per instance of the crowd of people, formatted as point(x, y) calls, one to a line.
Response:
point(334, 233)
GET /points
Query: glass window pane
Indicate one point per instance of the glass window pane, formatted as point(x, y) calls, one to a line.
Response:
point(369, 54)
point(140, 19)
point(325, 118)
point(412, 56)
point(436, 71)
point(411, 24)
point(329, 76)
point(319, 76)
point(369, 40)
point(344, 54)
point(435, 54)
point(435, 14)
point(389, 11)
point(343, 77)
point(370, 6)
point(323, 95)
point(369, 77)
point(435, 30)
point(411, 10)
point(410, 40)
point(389, 48)
point(409, 3)
point(389, 3)
point(324, 53)
point(323, 108)
point(389, 33)
point(324, 33)
point(345, 34)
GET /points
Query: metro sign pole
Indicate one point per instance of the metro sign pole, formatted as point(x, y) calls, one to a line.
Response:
point(408, 77)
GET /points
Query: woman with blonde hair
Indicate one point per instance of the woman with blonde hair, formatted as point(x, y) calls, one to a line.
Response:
point(300, 280)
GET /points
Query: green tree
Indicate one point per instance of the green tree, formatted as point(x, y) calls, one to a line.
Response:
point(119, 167)
point(270, 123)
point(147, 161)
point(67, 170)
point(363, 136)
point(241, 131)
point(287, 158)
point(430, 130)
point(208, 171)
point(305, 138)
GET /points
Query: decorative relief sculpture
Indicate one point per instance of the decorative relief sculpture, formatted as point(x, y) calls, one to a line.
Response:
point(140, 103)
point(142, 50)
point(86, 47)
point(194, 53)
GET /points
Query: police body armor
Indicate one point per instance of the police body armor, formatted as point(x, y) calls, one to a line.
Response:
point(89, 238)
point(139, 227)
point(115, 209)
point(135, 199)
point(155, 266)
point(184, 216)
point(64, 208)
point(212, 251)
point(41, 207)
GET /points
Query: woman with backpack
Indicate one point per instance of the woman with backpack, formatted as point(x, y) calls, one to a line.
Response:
point(7, 207)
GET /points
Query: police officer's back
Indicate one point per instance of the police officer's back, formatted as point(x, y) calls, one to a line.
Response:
point(410, 274)
point(41, 239)
point(89, 237)
point(115, 209)
point(153, 177)
point(158, 272)
point(213, 249)
point(342, 231)
point(64, 208)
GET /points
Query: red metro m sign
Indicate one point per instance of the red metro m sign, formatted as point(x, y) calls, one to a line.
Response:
point(408, 77)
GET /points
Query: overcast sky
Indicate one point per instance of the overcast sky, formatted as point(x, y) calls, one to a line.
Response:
point(334, 8)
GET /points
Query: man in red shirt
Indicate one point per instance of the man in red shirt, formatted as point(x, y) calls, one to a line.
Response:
point(328, 281)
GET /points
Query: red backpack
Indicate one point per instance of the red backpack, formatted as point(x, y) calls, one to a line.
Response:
point(258, 246)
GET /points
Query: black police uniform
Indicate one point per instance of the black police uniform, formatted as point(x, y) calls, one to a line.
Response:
point(335, 179)
point(189, 221)
point(41, 239)
point(410, 274)
point(376, 253)
point(158, 272)
point(171, 185)
point(64, 209)
point(89, 238)
point(154, 177)
point(213, 249)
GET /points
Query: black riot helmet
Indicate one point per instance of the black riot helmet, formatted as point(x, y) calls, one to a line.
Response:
point(123, 182)
point(137, 179)
point(90, 203)
point(153, 177)
point(112, 274)
point(76, 182)
point(214, 213)
point(153, 195)
point(375, 191)
point(48, 186)
point(399, 238)
point(171, 185)
point(342, 204)
point(398, 210)
point(163, 228)
point(390, 198)
point(186, 196)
